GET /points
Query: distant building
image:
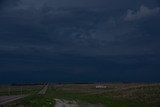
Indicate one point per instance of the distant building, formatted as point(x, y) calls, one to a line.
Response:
point(101, 86)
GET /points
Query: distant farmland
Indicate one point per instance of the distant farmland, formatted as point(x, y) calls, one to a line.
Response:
point(99, 95)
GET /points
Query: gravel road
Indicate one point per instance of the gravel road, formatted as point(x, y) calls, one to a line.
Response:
point(65, 103)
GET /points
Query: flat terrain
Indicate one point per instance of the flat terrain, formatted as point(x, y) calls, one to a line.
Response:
point(7, 90)
point(94, 95)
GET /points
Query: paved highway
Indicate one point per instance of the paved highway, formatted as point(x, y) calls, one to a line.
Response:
point(44, 90)
point(6, 99)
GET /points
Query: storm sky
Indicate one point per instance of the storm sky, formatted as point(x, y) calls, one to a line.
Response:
point(79, 41)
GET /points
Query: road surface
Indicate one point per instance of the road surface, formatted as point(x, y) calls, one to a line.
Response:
point(44, 90)
point(7, 99)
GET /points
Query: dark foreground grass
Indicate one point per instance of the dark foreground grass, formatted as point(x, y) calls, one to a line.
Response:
point(92, 96)
point(98, 99)
point(36, 100)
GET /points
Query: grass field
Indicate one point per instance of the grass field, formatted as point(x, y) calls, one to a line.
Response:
point(112, 95)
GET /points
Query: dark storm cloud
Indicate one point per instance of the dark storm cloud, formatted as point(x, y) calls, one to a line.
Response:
point(141, 13)
point(80, 37)
point(8, 3)
point(95, 29)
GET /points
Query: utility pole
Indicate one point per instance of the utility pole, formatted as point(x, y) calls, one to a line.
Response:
point(9, 90)
point(21, 90)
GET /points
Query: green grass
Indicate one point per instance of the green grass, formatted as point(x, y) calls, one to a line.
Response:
point(36, 100)
point(134, 97)
point(97, 99)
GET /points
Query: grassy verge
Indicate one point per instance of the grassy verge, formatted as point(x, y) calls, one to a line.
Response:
point(97, 99)
point(36, 100)
point(125, 97)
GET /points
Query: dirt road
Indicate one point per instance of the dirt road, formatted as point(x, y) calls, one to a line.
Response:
point(65, 103)
point(60, 103)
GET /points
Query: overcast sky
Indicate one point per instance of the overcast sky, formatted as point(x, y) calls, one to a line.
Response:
point(79, 40)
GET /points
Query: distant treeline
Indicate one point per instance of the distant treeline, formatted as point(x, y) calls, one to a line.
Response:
point(25, 84)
